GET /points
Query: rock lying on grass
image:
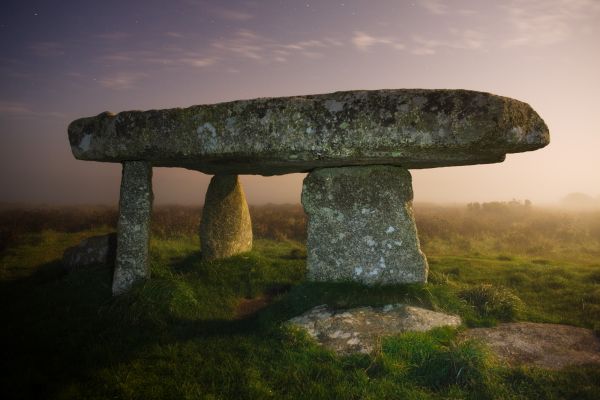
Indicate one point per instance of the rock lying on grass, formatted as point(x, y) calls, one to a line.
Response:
point(549, 346)
point(358, 330)
point(95, 250)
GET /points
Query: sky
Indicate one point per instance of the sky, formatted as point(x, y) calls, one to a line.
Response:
point(62, 60)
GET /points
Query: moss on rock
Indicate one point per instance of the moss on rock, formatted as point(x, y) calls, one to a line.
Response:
point(413, 128)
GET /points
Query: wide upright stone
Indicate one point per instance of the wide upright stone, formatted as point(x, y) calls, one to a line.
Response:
point(135, 210)
point(225, 229)
point(361, 226)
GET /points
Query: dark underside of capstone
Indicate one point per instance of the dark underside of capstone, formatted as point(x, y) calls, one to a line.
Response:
point(412, 128)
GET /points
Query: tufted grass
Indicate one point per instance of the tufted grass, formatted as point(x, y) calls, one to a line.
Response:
point(183, 335)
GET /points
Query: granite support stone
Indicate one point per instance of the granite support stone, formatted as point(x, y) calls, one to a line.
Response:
point(226, 228)
point(361, 226)
point(135, 210)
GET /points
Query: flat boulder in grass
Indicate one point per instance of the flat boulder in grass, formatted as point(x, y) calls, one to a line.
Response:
point(411, 128)
point(358, 330)
point(95, 250)
point(550, 346)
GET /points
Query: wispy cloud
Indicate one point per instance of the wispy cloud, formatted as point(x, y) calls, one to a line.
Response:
point(362, 41)
point(220, 12)
point(244, 43)
point(546, 22)
point(22, 110)
point(458, 39)
point(250, 45)
point(113, 35)
point(232, 15)
point(199, 62)
point(176, 35)
point(420, 45)
point(467, 12)
point(437, 7)
point(122, 80)
point(47, 49)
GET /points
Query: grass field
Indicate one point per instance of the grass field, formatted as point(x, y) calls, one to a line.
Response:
point(214, 330)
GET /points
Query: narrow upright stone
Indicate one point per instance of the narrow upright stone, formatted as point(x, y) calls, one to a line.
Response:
point(135, 210)
point(361, 226)
point(225, 229)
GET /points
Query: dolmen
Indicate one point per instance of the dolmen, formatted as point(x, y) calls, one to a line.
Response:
point(356, 146)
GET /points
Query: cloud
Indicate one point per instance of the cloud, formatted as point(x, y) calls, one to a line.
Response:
point(434, 6)
point(244, 43)
point(467, 12)
point(176, 35)
point(363, 41)
point(47, 49)
point(232, 15)
point(122, 80)
point(22, 110)
point(113, 35)
point(466, 39)
point(547, 22)
point(190, 52)
point(199, 62)
point(250, 45)
point(229, 14)
point(119, 56)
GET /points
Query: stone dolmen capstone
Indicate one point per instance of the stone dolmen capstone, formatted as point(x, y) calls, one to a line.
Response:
point(357, 147)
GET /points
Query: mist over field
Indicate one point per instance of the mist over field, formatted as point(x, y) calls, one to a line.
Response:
point(514, 226)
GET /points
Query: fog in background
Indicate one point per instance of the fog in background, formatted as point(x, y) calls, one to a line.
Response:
point(63, 60)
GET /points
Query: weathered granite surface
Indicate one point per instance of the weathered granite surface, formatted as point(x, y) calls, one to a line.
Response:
point(358, 330)
point(413, 128)
point(95, 250)
point(133, 237)
point(551, 346)
point(361, 226)
point(226, 228)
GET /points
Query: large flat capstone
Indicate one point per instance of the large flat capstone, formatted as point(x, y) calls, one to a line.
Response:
point(412, 128)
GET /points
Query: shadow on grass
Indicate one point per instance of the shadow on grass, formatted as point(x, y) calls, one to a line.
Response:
point(59, 331)
point(187, 264)
point(65, 331)
point(63, 328)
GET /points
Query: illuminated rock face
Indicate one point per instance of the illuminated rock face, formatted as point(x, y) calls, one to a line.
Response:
point(412, 128)
point(361, 226)
point(355, 145)
point(225, 229)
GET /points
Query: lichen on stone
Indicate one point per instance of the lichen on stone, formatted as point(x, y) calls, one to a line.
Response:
point(362, 204)
point(413, 128)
